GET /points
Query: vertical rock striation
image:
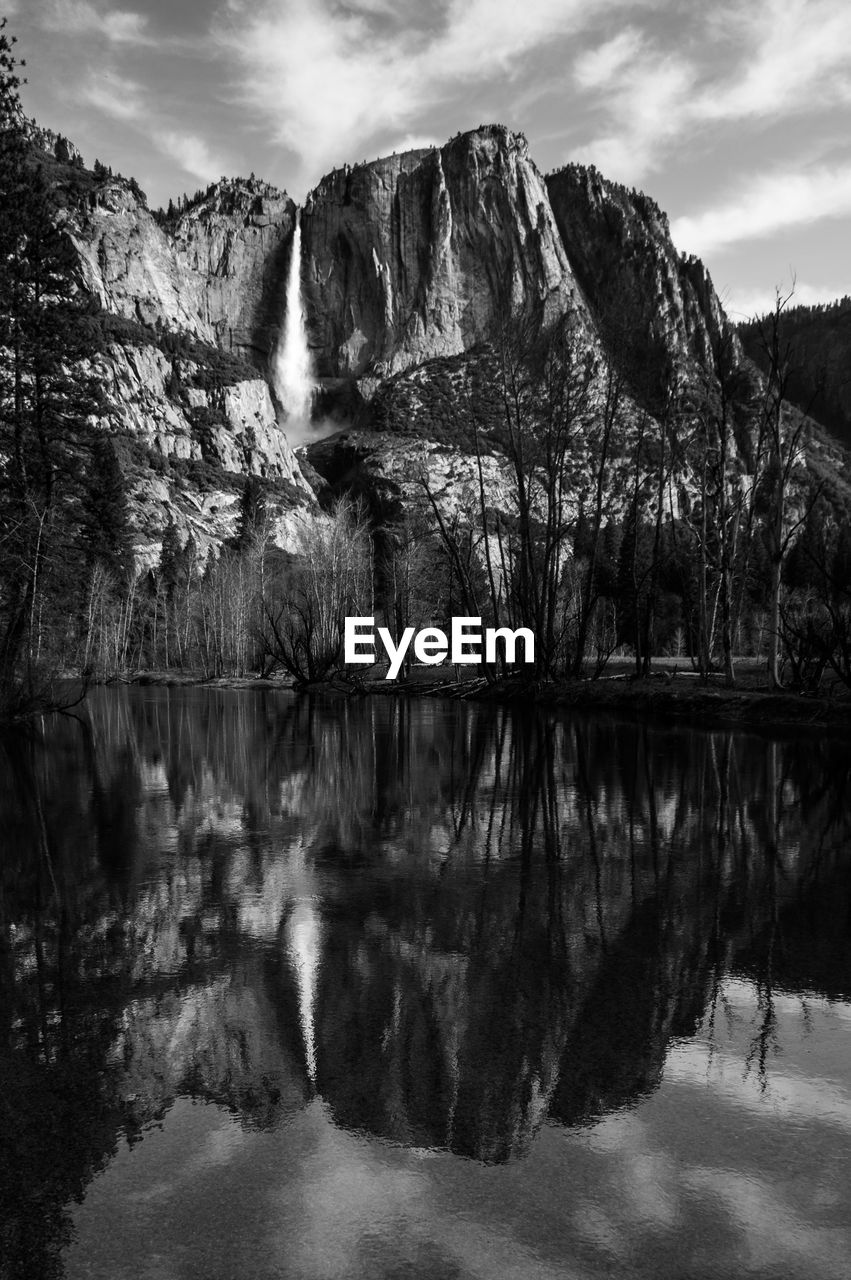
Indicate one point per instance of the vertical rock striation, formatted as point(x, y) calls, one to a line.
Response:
point(421, 254)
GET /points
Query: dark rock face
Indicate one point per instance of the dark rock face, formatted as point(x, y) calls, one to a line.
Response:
point(419, 255)
point(620, 247)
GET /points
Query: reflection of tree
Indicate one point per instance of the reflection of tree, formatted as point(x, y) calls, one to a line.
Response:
point(517, 914)
point(58, 1123)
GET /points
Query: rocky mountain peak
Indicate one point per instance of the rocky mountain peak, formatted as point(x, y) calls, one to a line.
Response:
point(54, 144)
point(636, 282)
point(417, 255)
point(252, 199)
point(601, 192)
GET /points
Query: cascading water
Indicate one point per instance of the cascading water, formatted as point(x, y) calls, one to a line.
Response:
point(292, 373)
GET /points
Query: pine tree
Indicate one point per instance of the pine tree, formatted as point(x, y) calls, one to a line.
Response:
point(171, 557)
point(634, 565)
point(252, 508)
point(46, 408)
point(105, 525)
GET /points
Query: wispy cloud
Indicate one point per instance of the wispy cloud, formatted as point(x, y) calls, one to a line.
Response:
point(115, 96)
point(597, 68)
point(79, 17)
point(124, 100)
point(794, 56)
point(767, 61)
point(329, 78)
point(414, 142)
point(646, 104)
point(769, 203)
point(687, 101)
point(191, 153)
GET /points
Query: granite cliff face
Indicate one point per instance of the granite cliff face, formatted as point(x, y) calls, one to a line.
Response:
point(159, 402)
point(421, 254)
point(190, 309)
point(235, 243)
point(412, 263)
point(404, 259)
point(619, 244)
point(214, 271)
point(189, 443)
point(407, 263)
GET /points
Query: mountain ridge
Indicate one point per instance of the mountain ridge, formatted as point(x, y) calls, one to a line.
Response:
point(406, 261)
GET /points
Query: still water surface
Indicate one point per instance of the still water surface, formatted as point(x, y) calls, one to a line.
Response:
point(309, 988)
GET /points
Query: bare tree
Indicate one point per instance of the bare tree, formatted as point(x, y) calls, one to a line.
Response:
point(521, 561)
point(782, 431)
point(332, 579)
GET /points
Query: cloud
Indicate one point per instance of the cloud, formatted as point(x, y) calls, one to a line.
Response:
point(414, 142)
point(114, 96)
point(329, 79)
point(770, 203)
point(764, 62)
point(123, 100)
point(796, 58)
point(647, 104)
point(597, 68)
point(487, 35)
point(191, 153)
point(80, 18)
point(745, 303)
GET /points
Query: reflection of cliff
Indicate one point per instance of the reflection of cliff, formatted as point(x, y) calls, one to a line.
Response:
point(439, 1020)
point(449, 921)
point(651, 985)
point(226, 1040)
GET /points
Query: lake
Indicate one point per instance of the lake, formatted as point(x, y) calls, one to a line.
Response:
point(322, 988)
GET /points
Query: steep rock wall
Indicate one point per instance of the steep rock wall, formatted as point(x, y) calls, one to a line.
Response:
point(216, 271)
point(419, 255)
point(406, 261)
point(154, 399)
point(637, 284)
point(236, 244)
point(189, 446)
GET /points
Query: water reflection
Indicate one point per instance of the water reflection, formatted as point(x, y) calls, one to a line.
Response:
point(448, 924)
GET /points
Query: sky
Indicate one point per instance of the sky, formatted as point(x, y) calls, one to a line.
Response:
point(735, 117)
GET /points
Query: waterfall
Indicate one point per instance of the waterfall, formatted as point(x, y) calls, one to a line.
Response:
point(291, 370)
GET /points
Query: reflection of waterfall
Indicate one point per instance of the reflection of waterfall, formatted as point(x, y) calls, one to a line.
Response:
point(302, 934)
point(291, 370)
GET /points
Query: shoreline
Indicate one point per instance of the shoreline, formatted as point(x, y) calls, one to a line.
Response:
point(665, 695)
